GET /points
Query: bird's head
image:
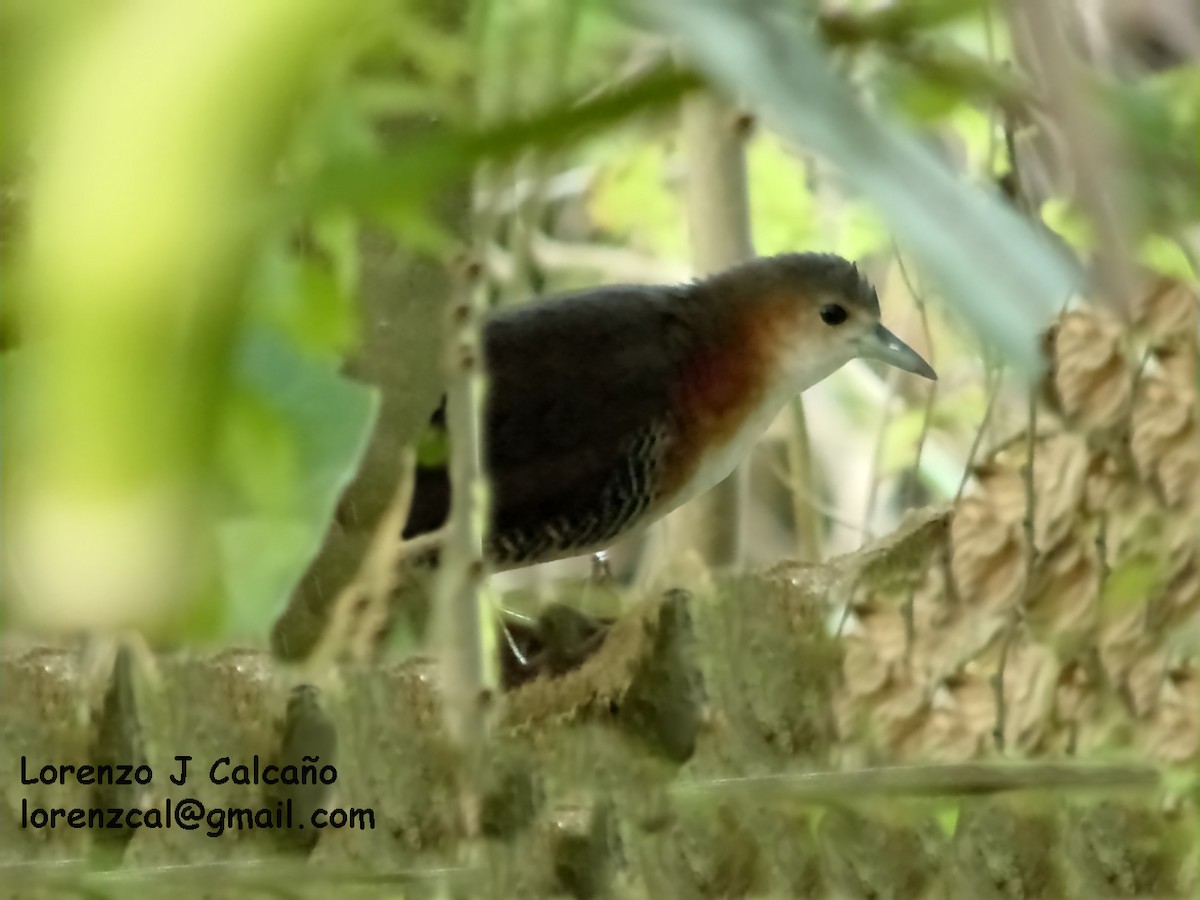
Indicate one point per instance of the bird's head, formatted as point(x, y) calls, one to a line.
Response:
point(811, 313)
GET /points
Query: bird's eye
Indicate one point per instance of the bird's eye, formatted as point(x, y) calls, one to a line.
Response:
point(833, 314)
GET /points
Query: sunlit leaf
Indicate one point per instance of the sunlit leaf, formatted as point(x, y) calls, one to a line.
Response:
point(1130, 582)
point(300, 296)
point(783, 206)
point(1165, 257)
point(423, 165)
point(315, 424)
point(862, 232)
point(921, 98)
point(632, 201)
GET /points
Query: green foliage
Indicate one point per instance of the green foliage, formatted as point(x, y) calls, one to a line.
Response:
point(831, 166)
point(782, 205)
point(1005, 279)
point(290, 443)
point(1130, 583)
point(1157, 252)
point(632, 201)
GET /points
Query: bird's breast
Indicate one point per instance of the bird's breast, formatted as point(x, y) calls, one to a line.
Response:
point(723, 403)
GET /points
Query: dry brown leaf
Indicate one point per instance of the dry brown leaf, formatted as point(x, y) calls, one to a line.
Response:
point(1167, 311)
point(1074, 693)
point(1030, 678)
point(958, 724)
point(1125, 504)
point(1061, 464)
point(1134, 521)
point(1103, 485)
point(898, 713)
point(1000, 485)
point(1182, 593)
point(1092, 378)
point(1165, 442)
point(1143, 681)
point(1031, 673)
point(866, 672)
point(1067, 586)
point(1178, 365)
point(1174, 734)
point(1124, 640)
point(987, 558)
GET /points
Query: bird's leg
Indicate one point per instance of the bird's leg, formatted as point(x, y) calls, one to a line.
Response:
point(601, 570)
point(518, 654)
point(504, 615)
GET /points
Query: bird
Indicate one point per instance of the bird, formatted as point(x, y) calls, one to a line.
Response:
point(609, 407)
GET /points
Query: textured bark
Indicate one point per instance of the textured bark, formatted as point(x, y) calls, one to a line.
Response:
point(403, 311)
point(403, 302)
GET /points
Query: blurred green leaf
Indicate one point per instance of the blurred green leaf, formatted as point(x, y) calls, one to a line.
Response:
point(306, 297)
point(1166, 257)
point(1159, 120)
point(1007, 280)
point(1067, 222)
point(1158, 253)
point(1130, 582)
point(894, 22)
point(413, 175)
point(921, 98)
point(296, 415)
point(337, 237)
point(433, 448)
point(783, 206)
point(630, 199)
point(862, 232)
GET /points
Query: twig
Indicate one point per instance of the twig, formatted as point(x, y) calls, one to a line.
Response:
point(257, 876)
point(1189, 253)
point(1102, 550)
point(907, 610)
point(1027, 474)
point(719, 230)
point(616, 264)
point(931, 397)
point(462, 616)
point(524, 222)
point(877, 454)
point(359, 614)
point(997, 684)
point(799, 450)
point(1016, 438)
point(815, 502)
point(993, 374)
point(931, 781)
point(1091, 146)
point(989, 39)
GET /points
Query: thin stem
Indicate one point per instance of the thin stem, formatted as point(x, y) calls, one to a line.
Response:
point(802, 483)
point(994, 375)
point(714, 135)
point(463, 613)
point(814, 502)
point(931, 396)
point(361, 611)
point(1027, 475)
point(907, 608)
point(877, 454)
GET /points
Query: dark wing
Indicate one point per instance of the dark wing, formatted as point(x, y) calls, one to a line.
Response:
point(575, 386)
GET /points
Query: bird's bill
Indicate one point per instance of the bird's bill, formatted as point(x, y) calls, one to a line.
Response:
point(881, 344)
